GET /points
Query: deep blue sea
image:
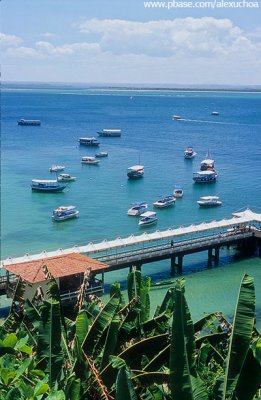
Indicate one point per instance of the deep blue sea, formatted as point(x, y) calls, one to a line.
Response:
point(103, 193)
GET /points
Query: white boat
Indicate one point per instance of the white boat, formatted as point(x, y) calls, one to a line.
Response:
point(148, 218)
point(102, 154)
point(189, 153)
point(135, 172)
point(110, 132)
point(65, 178)
point(89, 141)
point(90, 160)
point(165, 201)
point(137, 209)
point(176, 117)
point(29, 122)
point(48, 186)
point(209, 201)
point(205, 176)
point(215, 113)
point(56, 168)
point(178, 191)
point(63, 213)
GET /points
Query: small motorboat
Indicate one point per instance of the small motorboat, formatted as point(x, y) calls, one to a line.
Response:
point(56, 168)
point(178, 191)
point(48, 186)
point(66, 178)
point(63, 213)
point(89, 141)
point(176, 117)
point(137, 209)
point(165, 201)
point(90, 160)
point(135, 172)
point(215, 113)
point(209, 201)
point(102, 154)
point(189, 153)
point(148, 218)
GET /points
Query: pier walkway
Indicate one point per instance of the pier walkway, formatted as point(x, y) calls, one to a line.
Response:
point(173, 243)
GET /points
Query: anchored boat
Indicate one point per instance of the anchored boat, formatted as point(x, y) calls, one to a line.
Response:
point(110, 132)
point(205, 176)
point(137, 208)
point(102, 154)
point(29, 122)
point(66, 178)
point(89, 141)
point(63, 213)
point(56, 168)
point(148, 218)
point(189, 153)
point(48, 186)
point(165, 201)
point(209, 201)
point(90, 160)
point(135, 172)
point(178, 191)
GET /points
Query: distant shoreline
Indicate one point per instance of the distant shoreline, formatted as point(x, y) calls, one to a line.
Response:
point(131, 88)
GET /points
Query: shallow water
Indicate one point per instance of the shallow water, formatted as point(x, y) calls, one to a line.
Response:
point(103, 194)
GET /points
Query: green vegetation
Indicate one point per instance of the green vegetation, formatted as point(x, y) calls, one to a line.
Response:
point(118, 351)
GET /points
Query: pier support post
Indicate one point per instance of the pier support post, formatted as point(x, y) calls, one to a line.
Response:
point(180, 264)
point(216, 257)
point(172, 265)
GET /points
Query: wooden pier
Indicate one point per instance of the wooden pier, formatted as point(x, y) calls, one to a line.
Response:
point(242, 230)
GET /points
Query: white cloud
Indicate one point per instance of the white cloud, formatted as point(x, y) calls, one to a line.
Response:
point(66, 49)
point(183, 50)
point(7, 41)
point(205, 36)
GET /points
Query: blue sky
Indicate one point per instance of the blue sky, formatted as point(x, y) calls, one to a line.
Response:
point(121, 41)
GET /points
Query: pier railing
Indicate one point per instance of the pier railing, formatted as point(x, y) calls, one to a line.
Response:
point(162, 251)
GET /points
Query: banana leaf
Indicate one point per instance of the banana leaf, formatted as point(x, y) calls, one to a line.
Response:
point(151, 378)
point(167, 304)
point(49, 350)
point(111, 341)
point(250, 376)
point(206, 321)
point(124, 386)
point(145, 299)
point(213, 338)
point(132, 356)
point(101, 322)
point(81, 325)
point(241, 336)
point(157, 325)
point(32, 314)
point(184, 382)
point(160, 360)
point(115, 291)
point(134, 279)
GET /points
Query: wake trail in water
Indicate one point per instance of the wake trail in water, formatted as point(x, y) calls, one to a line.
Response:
point(216, 122)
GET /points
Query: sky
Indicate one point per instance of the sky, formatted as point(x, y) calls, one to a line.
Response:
point(128, 42)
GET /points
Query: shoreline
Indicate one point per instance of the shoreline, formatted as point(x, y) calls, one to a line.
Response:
point(9, 86)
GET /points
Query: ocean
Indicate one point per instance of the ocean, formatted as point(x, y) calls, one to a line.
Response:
point(103, 193)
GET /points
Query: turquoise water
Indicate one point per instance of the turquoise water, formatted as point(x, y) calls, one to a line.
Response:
point(103, 194)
